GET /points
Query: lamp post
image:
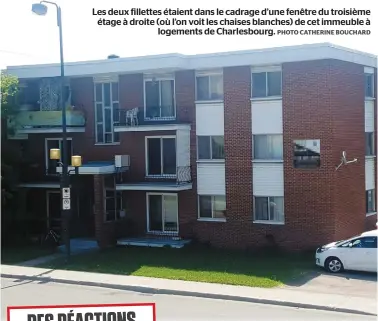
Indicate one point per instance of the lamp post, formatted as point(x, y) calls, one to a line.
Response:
point(41, 10)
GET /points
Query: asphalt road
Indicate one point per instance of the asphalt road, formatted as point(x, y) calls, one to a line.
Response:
point(169, 308)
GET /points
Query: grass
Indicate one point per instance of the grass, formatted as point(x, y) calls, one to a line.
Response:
point(21, 253)
point(193, 264)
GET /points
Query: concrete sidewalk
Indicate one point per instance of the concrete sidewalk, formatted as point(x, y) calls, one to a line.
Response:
point(277, 296)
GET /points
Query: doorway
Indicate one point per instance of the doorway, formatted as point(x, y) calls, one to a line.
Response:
point(162, 213)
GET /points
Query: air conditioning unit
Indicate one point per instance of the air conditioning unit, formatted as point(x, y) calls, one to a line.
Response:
point(122, 161)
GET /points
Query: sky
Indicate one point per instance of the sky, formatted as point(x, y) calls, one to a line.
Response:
point(26, 38)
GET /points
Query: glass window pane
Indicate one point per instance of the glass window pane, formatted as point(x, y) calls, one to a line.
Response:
point(369, 144)
point(216, 87)
point(152, 99)
point(115, 91)
point(276, 209)
point(217, 147)
point(100, 134)
point(108, 120)
point(259, 85)
point(261, 209)
point(268, 147)
point(203, 88)
point(115, 112)
point(203, 147)
point(369, 85)
point(167, 93)
point(108, 138)
point(107, 94)
point(99, 92)
point(219, 207)
point(205, 206)
point(169, 156)
point(274, 83)
point(154, 156)
point(99, 113)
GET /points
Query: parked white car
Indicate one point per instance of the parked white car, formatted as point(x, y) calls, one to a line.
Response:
point(358, 253)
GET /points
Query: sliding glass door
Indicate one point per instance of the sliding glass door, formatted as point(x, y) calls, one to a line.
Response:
point(162, 212)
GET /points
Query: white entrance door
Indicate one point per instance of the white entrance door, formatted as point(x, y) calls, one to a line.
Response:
point(162, 213)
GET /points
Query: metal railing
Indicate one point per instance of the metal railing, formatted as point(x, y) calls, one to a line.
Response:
point(184, 174)
point(136, 117)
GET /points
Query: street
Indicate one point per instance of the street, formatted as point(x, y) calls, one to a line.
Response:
point(169, 308)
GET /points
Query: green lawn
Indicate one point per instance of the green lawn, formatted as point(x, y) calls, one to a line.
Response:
point(194, 264)
point(21, 253)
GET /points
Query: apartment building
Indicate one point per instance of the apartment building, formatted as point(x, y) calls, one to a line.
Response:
point(235, 149)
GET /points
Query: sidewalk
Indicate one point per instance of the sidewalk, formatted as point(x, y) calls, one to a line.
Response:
point(277, 296)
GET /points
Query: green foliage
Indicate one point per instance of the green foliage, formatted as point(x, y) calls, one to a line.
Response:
point(9, 89)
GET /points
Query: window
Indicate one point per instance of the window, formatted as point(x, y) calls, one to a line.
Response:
point(369, 144)
point(212, 207)
point(113, 205)
point(369, 85)
point(307, 153)
point(269, 209)
point(368, 242)
point(51, 143)
point(266, 84)
point(210, 147)
point(107, 112)
point(159, 99)
point(370, 201)
point(161, 156)
point(267, 147)
point(209, 87)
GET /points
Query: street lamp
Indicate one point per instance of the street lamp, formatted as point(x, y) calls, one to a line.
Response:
point(41, 10)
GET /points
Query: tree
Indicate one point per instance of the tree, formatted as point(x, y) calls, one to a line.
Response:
point(9, 89)
point(9, 157)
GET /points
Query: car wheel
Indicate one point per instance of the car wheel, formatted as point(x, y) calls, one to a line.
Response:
point(333, 265)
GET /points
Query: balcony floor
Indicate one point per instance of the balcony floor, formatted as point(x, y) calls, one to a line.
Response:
point(154, 186)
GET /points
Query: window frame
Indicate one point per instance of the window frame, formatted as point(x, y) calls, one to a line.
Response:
point(369, 136)
point(115, 135)
point(159, 79)
point(211, 159)
point(373, 201)
point(212, 218)
point(47, 153)
point(117, 194)
point(266, 159)
point(209, 75)
point(273, 222)
point(266, 72)
point(314, 162)
point(367, 74)
point(161, 156)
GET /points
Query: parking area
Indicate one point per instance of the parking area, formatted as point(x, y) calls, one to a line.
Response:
point(355, 283)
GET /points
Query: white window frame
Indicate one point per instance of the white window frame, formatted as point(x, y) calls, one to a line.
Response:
point(102, 82)
point(163, 222)
point(159, 79)
point(211, 159)
point(374, 202)
point(209, 75)
point(372, 85)
point(265, 70)
point(212, 218)
point(265, 159)
point(47, 152)
point(161, 156)
point(116, 193)
point(273, 222)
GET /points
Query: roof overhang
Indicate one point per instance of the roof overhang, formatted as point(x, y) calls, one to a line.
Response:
point(270, 56)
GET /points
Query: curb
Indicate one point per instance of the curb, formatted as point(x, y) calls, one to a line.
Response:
point(150, 290)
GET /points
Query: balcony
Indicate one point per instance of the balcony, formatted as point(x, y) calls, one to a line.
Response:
point(33, 122)
point(168, 183)
point(152, 119)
